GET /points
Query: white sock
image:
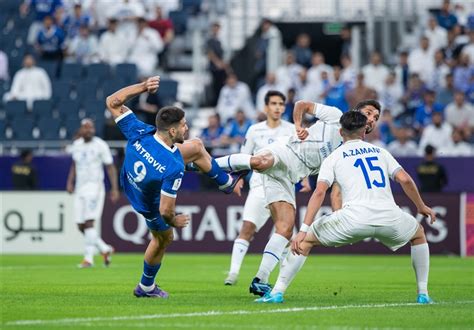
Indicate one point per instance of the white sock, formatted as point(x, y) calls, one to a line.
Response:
point(102, 246)
point(235, 162)
point(287, 274)
point(284, 257)
point(420, 259)
point(90, 237)
point(93, 238)
point(271, 256)
point(89, 252)
point(239, 250)
point(147, 288)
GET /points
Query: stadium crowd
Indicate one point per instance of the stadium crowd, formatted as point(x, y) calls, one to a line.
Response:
point(74, 53)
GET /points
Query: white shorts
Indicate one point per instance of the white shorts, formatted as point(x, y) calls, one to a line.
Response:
point(338, 229)
point(89, 202)
point(279, 180)
point(255, 210)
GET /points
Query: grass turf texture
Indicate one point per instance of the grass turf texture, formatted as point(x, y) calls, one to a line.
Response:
point(330, 291)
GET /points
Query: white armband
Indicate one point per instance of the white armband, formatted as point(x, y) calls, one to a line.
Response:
point(304, 228)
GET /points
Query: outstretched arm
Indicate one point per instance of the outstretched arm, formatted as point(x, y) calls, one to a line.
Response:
point(115, 102)
point(410, 189)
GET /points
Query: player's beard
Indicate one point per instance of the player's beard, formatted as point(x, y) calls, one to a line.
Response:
point(368, 129)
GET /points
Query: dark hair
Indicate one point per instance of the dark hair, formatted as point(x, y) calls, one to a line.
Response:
point(167, 117)
point(429, 149)
point(26, 153)
point(361, 105)
point(352, 121)
point(274, 93)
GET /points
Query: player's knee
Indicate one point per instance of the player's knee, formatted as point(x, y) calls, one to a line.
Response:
point(167, 239)
point(260, 162)
point(285, 229)
point(247, 231)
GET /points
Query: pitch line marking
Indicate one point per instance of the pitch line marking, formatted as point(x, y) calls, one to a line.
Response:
point(217, 313)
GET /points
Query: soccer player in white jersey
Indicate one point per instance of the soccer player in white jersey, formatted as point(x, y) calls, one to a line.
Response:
point(363, 172)
point(284, 163)
point(89, 154)
point(255, 213)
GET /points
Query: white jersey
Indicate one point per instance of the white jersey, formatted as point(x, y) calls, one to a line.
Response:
point(362, 170)
point(89, 159)
point(261, 135)
point(323, 139)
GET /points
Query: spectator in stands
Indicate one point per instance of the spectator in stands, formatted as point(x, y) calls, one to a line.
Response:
point(431, 174)
point(83, 48)
point(420, 60)
point(217, 65)
point(391, 94)
point(311, 91)
point(413, 97)
point(459, 147)
point(424, 113)
point(349, 73)
point(318, 65)
point(211, 136)
point(50, 41)
point(145, 49)
point(402, 70)
point(24, 175)
point(269, 49)
point(403, 146)
point(302, 51)
point(453, 49)
point(164, 26)
point(375, 72)
point(463, 73)
point(127, 12)
point(446, 94)
point(437, 36)
point(436, 134)
point(374, 138)
point(440, 70)
point(234, 95)
point(235, 130)
point(289, 106)
point(29, 84)
point(270, 84)
point(359, 93)
point(346, 39)
point(446, 18)
point(113, 46)
point(74, 21)
point(147, 106)
point(41, 9)
point(288, 75)
point(386, 127)
point(469, 48)
point(4, 66)
point(335, 94)
point(460, 114)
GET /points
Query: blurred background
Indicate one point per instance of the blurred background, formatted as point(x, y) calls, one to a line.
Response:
point(60, 59)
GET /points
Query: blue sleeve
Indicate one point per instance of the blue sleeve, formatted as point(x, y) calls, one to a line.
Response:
point(171, 184)
point(131, 127)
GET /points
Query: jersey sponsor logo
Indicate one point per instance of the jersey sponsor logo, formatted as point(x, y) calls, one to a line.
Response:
point(360, 151)
point(149, 158)
point(177, 184)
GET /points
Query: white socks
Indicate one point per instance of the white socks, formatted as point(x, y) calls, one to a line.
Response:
point(292, 266)
point(235, 162)
point(239, 251)
point(93, 241)
point(271, 256)
point(420, 259)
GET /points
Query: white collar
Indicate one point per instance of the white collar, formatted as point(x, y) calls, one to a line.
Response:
point(160, 141)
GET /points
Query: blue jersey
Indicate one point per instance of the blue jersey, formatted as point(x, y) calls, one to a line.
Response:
point(150, 168)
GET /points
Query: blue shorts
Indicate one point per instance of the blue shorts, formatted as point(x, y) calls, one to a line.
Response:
point(157, 224)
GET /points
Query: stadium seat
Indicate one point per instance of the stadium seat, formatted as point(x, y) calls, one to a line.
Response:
point(179, 19)
point(100, 71)
point(15, 109)
point(68, 109)
point(71, 72)
point(94, 109)
point(61, 90)
point(191, 6)
point(168, 92)
point(71, 126)
point(49, 128)
point(22, 128)
point(43, 108)
point(89, 89)
point(3, 128)
point(126, 72)
point(51, 68)
point(111, 86)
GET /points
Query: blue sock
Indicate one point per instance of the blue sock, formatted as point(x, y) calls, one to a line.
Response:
point(149, 273)
point(217, 174)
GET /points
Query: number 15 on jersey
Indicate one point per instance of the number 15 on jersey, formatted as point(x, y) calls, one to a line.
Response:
point(372, 168)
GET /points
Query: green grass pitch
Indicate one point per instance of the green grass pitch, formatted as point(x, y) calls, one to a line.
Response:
point(49, 292)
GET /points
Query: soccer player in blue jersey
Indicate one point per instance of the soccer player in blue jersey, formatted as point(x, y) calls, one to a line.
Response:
point(152, 172)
